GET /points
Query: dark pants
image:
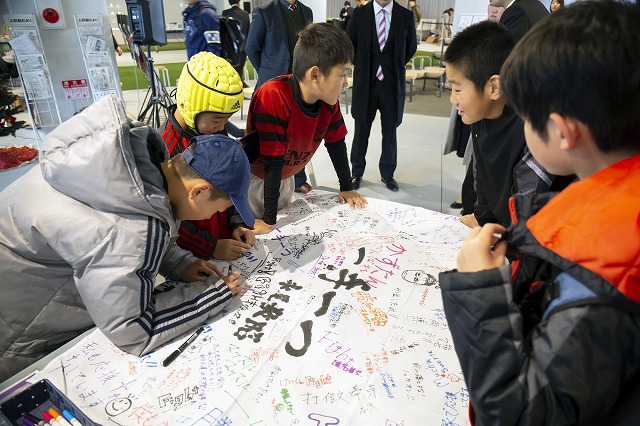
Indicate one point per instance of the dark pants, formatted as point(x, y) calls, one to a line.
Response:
point(381, 97)
point(300, 178)
point(469, 195)
point(240, 69)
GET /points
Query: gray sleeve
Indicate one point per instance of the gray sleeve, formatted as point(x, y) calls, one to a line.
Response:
point(116, 281)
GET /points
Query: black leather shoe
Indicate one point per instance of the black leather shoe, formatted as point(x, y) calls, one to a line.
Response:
point(391, 183)
point(355, 182)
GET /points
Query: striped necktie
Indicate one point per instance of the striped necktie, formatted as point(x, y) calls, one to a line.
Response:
point(382, 39)
point(292, 7)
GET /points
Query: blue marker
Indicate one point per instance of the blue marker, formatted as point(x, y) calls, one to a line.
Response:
point(67, 415)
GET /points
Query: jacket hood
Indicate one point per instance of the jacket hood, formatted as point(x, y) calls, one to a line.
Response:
point(190, 12)
point(100, 158)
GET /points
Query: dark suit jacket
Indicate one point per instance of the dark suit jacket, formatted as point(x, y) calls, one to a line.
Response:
point(240, 15)
point(267, 44)
point(363, 35)
point(521, 16)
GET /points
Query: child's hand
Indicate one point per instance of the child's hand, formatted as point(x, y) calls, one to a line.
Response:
point(353, 198)
point(200, 270)
point(230, 249)
point(470, 220)
point(245, 235)
point(233, 282)
point(260, 227)
point(481, 250)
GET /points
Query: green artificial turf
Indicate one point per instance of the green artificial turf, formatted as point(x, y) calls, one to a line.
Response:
point(128, 78)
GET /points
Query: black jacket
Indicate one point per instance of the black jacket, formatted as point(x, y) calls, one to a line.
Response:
point(521, 16)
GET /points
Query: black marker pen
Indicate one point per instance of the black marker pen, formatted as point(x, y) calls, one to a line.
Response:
point(182, 347)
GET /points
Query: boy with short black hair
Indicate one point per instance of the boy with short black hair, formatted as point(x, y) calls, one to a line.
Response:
point(292, 114)
point(92, 254)
point(552, 338)
point(209, 92)
point(502, 164)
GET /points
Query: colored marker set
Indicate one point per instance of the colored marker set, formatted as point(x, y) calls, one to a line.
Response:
point(42, 404)
point(51, 418)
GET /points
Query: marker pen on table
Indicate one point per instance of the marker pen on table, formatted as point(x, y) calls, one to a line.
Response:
point(49, 418)
point(168, 360)
point(59, 417)
point(28, 422)
point(35, 420)
point(67, 415)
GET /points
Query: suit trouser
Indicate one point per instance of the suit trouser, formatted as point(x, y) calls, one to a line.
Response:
point(382, 97)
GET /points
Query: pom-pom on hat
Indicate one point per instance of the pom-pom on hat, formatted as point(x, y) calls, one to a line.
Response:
point(221, 161)
point(208, 83)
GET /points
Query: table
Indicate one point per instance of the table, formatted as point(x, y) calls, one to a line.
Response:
point(341, 324)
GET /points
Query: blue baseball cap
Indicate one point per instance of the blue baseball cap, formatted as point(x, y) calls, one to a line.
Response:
point(221, 161)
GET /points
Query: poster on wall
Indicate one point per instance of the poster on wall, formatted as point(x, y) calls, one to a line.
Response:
point(97, 55)
point(33, 69)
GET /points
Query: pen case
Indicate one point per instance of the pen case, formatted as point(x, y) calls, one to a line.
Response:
point(39, 397)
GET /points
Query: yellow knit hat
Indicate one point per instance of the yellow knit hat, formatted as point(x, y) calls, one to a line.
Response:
point(208, 83)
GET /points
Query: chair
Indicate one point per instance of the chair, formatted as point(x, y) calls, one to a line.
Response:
point(424, 73)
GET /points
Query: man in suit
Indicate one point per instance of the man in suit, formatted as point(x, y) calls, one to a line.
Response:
point(272, 37)
point(520, 15)
point(384, 37)
point(237, 13)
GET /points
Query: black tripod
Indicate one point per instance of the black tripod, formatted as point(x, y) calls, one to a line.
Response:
point(154, 103)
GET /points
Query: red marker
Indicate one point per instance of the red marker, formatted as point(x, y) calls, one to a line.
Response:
point(50, 419)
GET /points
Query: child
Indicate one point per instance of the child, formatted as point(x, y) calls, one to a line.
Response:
point(558, 344)
point(502, 164)
point(83, 237)
point(293, 114)
point(209, 92)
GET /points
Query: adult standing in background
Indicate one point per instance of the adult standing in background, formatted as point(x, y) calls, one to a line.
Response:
point(520, 15)
point(360, 3)
point(555, 5)
point(245, 21)
point(494, 13)
point(201, 28)
point(272, 37)
point(416, 11)
point(346, 12)
point(447, 20)
point(384, 38)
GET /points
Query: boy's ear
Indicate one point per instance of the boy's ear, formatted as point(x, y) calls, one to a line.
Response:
point(313, 74)
point(494, 82)
point(199, 189)
point(569, 130)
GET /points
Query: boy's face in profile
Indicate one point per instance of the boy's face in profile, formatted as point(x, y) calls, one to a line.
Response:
point(198, 205)
point(472, 105)
point(331, 86)
point(209, 123)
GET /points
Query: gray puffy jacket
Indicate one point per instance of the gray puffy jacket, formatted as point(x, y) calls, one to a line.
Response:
point(82, 239)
